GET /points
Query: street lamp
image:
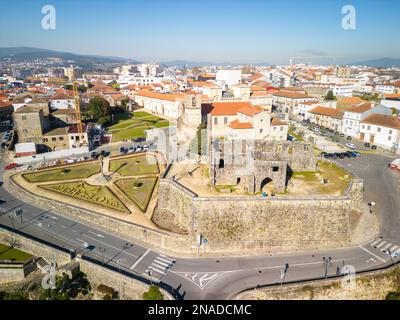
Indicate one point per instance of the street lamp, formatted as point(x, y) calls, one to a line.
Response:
point(371, 206)
point(326, 262)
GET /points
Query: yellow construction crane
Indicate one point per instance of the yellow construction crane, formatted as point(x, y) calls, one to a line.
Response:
point(75, 85)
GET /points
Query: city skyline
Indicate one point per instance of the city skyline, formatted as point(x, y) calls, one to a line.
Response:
point(220, 32)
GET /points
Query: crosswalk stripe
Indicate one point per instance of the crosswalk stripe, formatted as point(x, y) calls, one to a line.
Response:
point(375, 242)
point(392, 249)
point(163, 264)
point(165, 260)
point(381, 244)
point(164, 256)
point(387, 246)
point(157, 270)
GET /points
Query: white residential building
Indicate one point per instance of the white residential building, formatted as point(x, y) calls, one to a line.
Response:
point(354, 115)
point(228, 78)
point(385, 88)
point(382, 130)
point(62, 101)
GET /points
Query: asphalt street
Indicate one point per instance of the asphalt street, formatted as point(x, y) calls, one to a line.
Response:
point(221, 278)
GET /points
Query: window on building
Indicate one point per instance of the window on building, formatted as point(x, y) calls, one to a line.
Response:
point(53, 139)
point(369, 128)
point(275, 169)
point(45, 139)
point(72, 137)
point(23, 117)
point(390, 131)
point(225, 120)
point(215, 120)
point(379, 129)
point(61, 138)
point(389, 138)
point(363, 126)
point(221, 163)
point(261, 130)
point(193, 101)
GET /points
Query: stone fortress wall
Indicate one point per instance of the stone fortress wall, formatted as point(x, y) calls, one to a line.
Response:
point(250, 223)
point(239, 225)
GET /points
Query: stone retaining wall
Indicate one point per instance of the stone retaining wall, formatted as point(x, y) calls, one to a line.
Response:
point(371, 286)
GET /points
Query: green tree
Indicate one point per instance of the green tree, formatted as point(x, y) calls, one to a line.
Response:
point(154, 293)
point(99, 108)
point(330, 96)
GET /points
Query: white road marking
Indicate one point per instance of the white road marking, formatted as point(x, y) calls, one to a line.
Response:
point(106, 244)
point(380, 245)
point(372, 254)
point(387, 246)
point(392, 249)
point(96, 234)
point(165, 260)
point(154, 267)
point(375, 242)
point(204, 278)
point(140, 259)
point(163, 264)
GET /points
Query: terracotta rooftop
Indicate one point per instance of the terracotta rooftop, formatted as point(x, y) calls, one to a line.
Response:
point(330, 112)
point(26, 109)
point(228, 108)
point(250, 110)
point(277, 122)
point(160, 96)
point(383, 121)
point(290, 95)
point(360, 108)
point(236, 124)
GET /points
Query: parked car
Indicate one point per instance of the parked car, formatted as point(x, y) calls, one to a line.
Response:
point(94, 155)
point(11, 166)
point(350, 145)
point(122, 150)
point(315, 129)
point(337, 133)
point(341, 155)
point(323, 133)
point(334, 156)
point(349, 138)
point(374, 147)
point(367, 144)
point(342, 135)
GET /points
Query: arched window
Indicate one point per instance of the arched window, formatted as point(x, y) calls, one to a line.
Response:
point(221, 164)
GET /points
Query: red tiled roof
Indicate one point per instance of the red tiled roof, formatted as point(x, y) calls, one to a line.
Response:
point(277, 122)
point(227, 108)
point(250, 110)
point(160, 96)
point(291, 95)
point(236, 124)
point(383, 120)
point(360, 108)
point(330, 112)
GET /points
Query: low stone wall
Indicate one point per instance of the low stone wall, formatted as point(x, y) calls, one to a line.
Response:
point(372, 286)
point(127, 287)
point(37, 249)
point(159, 240)
point(11, 274)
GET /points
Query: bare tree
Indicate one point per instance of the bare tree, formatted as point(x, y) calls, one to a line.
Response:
point(11, 241)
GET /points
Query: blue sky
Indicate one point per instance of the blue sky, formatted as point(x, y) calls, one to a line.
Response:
point(204, 30)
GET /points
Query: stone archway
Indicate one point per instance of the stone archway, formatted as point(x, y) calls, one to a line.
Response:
point(266, 184)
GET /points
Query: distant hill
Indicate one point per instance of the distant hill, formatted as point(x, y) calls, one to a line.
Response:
point(28, 53)
point(180, 63)
point(380, 63)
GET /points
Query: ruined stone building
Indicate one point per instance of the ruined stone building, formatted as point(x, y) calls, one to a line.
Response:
point(255, 163)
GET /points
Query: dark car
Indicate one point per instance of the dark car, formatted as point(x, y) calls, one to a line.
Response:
point(122, 150)
point(334, 156)
point(341, 155)
point(94, 155)
point(350, 154)
point(140, 140)
point(374, 147)
point(367, 144)
point(348, 138)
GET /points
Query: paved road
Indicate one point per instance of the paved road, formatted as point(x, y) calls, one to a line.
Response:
point(220, 278)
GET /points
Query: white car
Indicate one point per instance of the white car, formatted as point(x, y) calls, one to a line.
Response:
point(315, 129)
point(350, 146)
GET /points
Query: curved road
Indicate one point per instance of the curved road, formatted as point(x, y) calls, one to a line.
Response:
point(221, 278)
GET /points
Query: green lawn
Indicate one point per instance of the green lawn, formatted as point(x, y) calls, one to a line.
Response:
point(133, 166)
point(138, 190)
point(8, 253)
point(133, 125)
point(64, 173)
point(99, 195)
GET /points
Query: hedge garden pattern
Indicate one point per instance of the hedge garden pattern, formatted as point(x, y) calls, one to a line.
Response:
point(129, 187)
point(99, 195)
